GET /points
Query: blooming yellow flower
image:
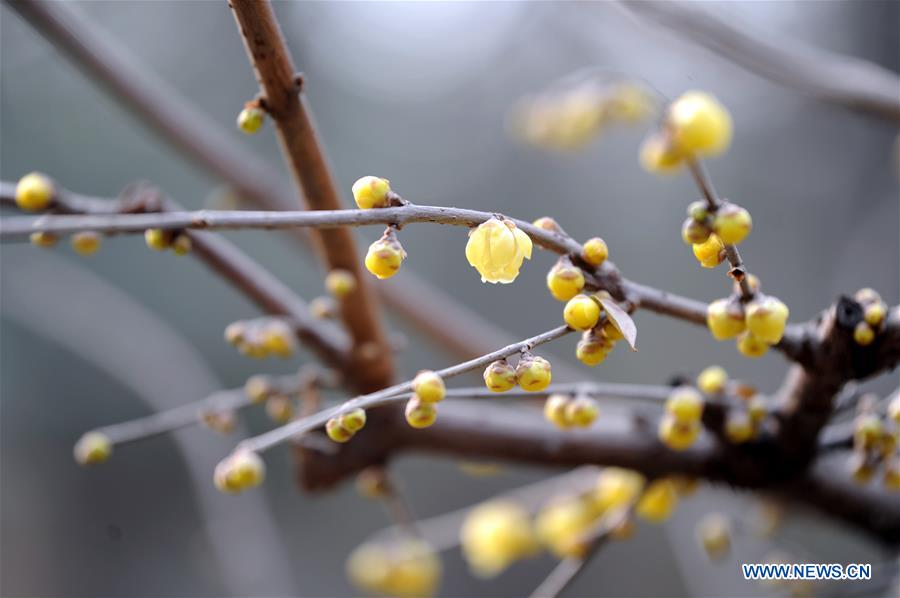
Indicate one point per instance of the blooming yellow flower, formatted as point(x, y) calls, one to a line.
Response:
point(495, 535)
point(497, 249)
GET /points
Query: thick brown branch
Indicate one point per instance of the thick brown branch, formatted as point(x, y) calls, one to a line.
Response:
point(280, 84)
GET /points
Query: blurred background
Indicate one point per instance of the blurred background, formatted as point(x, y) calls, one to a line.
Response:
point(419, 94)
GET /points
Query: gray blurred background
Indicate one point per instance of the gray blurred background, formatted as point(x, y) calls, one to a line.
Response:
point(417, 93)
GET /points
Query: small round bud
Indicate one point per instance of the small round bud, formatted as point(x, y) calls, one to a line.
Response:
point(766, 319)
point(659, 156)
point(372, 483)
point(42, 239)
point(353, 420)
point(581, 312)
point(593, 349)
point(564, 280)
point(258, 389)
point(685, 404)
point(732, 223)
point(92, 448)
point(340, 283)
point(582, 411)
point(548, 224)
point(494, 535)
point(224, 478)
point(714, 535)
point(371, 192)
point(757, 409)
point(725, 319)
point(336, 431)
point(750, 346)
point(658, 501)
point(420, 414)
point(219, 421)
point(157, 239)
point(86, 242)
point(711, 252)
point(555, 410)
point(610, 331)
point(699, 124)
point(244, 469)
point(250, 120)
point(280, 408)
point(594, 251)
point(278, 339)
point(429, 387)
point(676, 435)
point(712, 380)
point(533, 373)
point(874, 314)
point(616, 488)
point(384, 257)
point(693, 232)
point(499, 376)
point(323, 308)
point(698, 210)
point(562, 524)
point(863, 334)
point(34, 192)
point(867, 431)
point(235, 332)
point(738, 427)
point(182, 244)
point(867, 295)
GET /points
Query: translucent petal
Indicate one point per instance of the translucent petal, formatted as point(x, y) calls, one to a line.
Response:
point(502, 244)
point(523, 242)
point(475, 247)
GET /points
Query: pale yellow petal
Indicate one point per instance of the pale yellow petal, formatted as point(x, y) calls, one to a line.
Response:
point(475, 246)
point(523, 242)
point(502, 244)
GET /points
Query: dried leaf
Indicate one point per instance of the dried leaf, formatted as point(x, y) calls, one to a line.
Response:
point(620, 319)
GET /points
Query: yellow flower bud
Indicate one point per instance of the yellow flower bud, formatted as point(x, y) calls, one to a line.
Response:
point(372, 483)
point(429, 387)
point(92, 448)
point(336, 431)
point(732, 223)
point(497, 249)
point(242, 470)
point(368, 567)
point(42, 239)
point(863, 334)
point(280, 408)
point(712, 380)
point(725, 319)
point(694, 232)
point(555, 410)
point(157, 239)
point(660, 156)
point(182, 244)
point(250, 120)
point(564, 280)
point(420, 414)
point(415, 570)
point(353, 420)
point(699, 124)
point(593, 349)
point(738, 427)
point(562, 524)
point(235, 332)
point(685, 404)
point(340, 283)
point(766, 319)
point(34, 192)
point(258, 389)
point(548, 224)
point(494, 535)
point(594, 251)
point(582, 312)
point(582, 411)
point(874, 314)
point(658, 501)
point(616, 488)
point(371, 192)
point(750, 346)
point(499, 376)
point(86, 243)
point(711, 252)
point(533, 373)
point(385, 256)
point(714, 535)
point(757, 409)
point(323, 308)
point(677, 435)
point(278, 339)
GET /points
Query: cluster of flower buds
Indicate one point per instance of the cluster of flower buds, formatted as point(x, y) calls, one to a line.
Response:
point(566, 411)
point(495, 535)
point(757, 324)
point(342, 428)
point(280, 405)
point(159, 240)
point(428, 391)
point(262, 337)
point(251, 119)
point(744, 420)
point(568, 118)
point(403, 567)
point(708, 232)
point(875, 442)
point(239, 471)
point(497, 248)
point(93, 448)
point(713, 533)
point(680, 427)
point(874, 315)
point(695, 124)
point(533, 373)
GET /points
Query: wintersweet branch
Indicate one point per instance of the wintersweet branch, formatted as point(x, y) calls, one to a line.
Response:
point(389, 394)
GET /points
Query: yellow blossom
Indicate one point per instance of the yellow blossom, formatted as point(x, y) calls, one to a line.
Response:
point(497, 249)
